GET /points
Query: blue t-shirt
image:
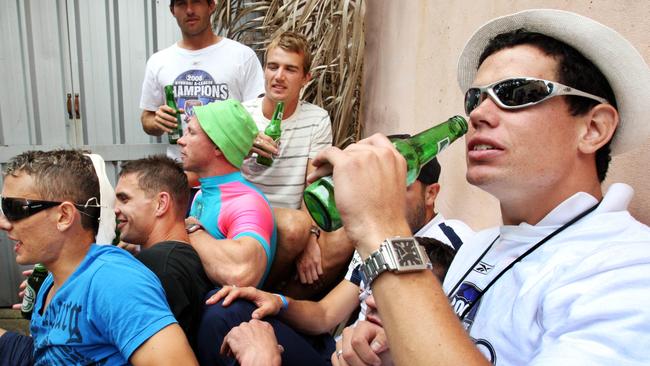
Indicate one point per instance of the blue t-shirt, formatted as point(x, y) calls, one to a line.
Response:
point(104, 311)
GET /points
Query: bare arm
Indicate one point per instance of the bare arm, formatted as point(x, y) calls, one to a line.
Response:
point(147, 118)
point(167, 347)
point(427, 305)
point(309, 263)
point(238, 262)
point(374, 162)
point(310, 169)
point(155, 123)
point(320, 317)
point(306, 316)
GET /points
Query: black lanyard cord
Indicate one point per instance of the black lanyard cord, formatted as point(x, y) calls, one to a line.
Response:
point(532, 249)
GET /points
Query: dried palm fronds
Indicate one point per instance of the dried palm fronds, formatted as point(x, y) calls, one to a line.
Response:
point(335, 31)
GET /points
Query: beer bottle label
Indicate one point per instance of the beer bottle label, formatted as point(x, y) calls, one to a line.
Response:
point(443, 144)
point(28, 300)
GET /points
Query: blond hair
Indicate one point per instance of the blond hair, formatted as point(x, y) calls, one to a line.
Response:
point(293, 42)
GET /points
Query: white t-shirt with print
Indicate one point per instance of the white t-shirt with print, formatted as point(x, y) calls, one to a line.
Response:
point(224, 70)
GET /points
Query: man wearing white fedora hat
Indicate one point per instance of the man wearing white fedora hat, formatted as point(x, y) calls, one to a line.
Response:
point(549, 94)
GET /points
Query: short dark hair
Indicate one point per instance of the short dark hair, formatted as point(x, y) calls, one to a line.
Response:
point(440, 254)
point(573, 70)
point(159, 173)
point(430, 172)
point(62, 175)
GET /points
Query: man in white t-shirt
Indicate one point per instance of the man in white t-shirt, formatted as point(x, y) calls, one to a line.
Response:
point(203, 67)
point(565, 279)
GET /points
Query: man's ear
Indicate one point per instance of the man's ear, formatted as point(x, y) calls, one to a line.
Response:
point(430, 193)
point(66, 216)
point(307, 79)
point(163, 203)
point(217, 152)
point(598, 128)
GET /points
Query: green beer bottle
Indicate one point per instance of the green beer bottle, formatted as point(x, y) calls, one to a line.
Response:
point(417, 150)
point(34, 283)
point(273, 130)
point(171, 102)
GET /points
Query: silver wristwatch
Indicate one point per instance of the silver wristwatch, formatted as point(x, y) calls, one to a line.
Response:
point(396, 255)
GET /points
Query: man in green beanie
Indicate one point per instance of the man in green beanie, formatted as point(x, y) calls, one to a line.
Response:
point(231, 223)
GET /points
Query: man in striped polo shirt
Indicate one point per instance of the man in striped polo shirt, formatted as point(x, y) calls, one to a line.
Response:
point(306, 130)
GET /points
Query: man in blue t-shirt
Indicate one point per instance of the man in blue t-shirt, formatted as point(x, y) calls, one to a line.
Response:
point(98, 305)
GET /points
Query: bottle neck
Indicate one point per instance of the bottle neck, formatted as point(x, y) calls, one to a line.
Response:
point(278, 113)
point(274, 129)
point(432, 141)
point(169, 96)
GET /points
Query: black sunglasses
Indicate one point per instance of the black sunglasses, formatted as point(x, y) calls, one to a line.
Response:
point(515, 93)
point(16, 209)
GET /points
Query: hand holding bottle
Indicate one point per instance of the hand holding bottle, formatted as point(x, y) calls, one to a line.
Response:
point(34, 282)
point(273, 131)
point(370, 190)
point(265, 146)
point(177, 131)
point(165, 118)
point(21, 289)
point(417, 150)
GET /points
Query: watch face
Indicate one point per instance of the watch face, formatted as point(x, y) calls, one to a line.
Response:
point(407, 253)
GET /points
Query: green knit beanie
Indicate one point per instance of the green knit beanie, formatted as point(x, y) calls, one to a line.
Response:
point(230, 127)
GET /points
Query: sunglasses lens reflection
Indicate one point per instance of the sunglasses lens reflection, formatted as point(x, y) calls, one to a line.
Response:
point(472, 100)
point(518, 92)
point(510, 93)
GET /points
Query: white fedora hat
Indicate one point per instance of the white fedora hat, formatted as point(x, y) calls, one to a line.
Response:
point(627, 72)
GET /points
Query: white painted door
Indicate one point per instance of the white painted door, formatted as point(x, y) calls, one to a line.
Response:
point(93, 51)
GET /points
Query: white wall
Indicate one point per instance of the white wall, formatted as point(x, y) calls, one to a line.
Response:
point(94, 48)
point(410, 83)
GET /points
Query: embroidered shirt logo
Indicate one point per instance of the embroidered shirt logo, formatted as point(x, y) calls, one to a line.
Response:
point(483, 268)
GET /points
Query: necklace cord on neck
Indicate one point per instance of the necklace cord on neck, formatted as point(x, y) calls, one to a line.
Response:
point(518, 259)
